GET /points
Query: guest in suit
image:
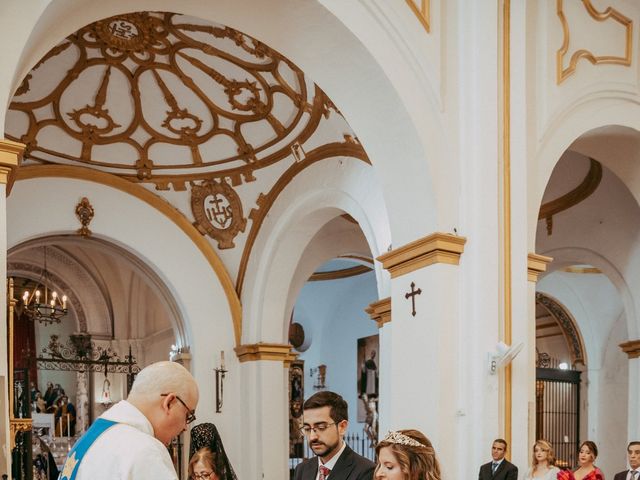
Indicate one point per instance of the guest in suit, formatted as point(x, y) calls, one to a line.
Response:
point(500, 468)
point(406, 455)
point(326, 419)
point(633, 453)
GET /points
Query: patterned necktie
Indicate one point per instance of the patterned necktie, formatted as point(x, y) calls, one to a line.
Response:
point(494, 467)
point(324, 472)
point(634, 474)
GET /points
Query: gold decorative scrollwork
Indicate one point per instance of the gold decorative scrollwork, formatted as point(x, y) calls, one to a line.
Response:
point(218, 212)
point(421, 8)
point(85, 213)
point(167, 99)
point(18, 425)
point(608, 13)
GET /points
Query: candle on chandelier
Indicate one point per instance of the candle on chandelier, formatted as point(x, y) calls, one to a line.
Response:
point(221, 359)
point(37, 296)
point(64, 302)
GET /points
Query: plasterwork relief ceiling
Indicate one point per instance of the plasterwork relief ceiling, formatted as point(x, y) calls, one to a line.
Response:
point(205, 116)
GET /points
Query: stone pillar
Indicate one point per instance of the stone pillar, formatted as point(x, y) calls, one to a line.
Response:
point(632, 349)
point(82, 402)
point(422, 387)
point(380, 312)
point(10, 155)
point(536, 264)
point(265, 401)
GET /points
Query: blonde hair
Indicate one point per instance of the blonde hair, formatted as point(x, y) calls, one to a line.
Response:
point(417, 463)
point(546, 447)
point(205, 456)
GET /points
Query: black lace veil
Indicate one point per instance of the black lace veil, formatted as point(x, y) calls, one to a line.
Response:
point(206, 435)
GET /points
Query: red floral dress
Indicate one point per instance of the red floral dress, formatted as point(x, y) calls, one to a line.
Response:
point(595, 474)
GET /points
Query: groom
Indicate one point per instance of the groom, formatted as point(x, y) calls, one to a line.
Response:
point(325, 422)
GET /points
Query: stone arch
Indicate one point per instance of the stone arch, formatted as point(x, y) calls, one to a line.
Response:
point(583, 118)
point(289, 230)
point(568, 326)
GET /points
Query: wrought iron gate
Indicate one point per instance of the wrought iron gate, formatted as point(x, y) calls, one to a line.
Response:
point(558, 412)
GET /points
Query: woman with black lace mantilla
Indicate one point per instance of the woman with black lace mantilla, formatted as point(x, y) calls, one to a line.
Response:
point(208, 458)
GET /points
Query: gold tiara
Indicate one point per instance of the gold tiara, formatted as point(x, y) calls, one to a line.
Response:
point(402, 439)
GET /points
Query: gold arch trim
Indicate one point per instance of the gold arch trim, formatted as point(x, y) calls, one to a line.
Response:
point(608, 13)
point(574, 197)
point(422, 12)
point(435, 248)
point(338, 274)
point(278, 352)
point(349, 148)
point(380, 311)
point(82, 173)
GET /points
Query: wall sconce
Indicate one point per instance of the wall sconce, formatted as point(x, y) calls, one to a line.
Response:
point(503, 355)
point(220, 374)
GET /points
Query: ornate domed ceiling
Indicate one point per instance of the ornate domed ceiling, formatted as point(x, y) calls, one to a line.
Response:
point(217, 121)
point(164, 98)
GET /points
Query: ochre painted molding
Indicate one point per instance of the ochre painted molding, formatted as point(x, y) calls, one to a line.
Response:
point(435, 248)
point(609, 13)
point(631, 348)
point(338, 274)
point(591, 181)
point(380, 311)
point(536, 264)
point(164, 207)
point(10, 156)
point(423, 12)
point(277, 352)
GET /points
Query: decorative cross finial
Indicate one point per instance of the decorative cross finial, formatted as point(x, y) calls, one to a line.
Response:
point(412, 295)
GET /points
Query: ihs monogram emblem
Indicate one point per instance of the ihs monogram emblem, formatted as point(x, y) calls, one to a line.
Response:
point(218, 212)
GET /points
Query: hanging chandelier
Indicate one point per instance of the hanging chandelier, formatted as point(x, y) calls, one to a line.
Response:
point(44, 305)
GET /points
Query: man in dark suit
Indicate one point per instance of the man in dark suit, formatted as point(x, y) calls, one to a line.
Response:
point(633, 453)
point(326, 419)
point(499, 468)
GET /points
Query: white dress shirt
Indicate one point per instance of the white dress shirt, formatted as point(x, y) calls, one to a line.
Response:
point(127, 451)
point(331, 463)
point(637, 477)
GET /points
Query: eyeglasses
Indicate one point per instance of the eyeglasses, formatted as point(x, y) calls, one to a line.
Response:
point(191, 414)
point(318, 428)
point(202, 476)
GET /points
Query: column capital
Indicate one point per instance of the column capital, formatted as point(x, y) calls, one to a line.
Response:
point(380, 311)
point(278, 352)
point(631, 348)
point(435, 248)
point(10, 156)
point(536, 264)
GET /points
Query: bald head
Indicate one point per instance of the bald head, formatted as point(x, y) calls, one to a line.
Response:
point(163, 377)
point(167, 394)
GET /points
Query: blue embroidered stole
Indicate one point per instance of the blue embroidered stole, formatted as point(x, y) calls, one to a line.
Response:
point(81, 447)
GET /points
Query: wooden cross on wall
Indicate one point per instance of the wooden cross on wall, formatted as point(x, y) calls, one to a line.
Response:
point(412, 295)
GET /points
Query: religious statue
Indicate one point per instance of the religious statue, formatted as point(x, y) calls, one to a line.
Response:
point(371, 420)
point(369, 376)
point(105, 396)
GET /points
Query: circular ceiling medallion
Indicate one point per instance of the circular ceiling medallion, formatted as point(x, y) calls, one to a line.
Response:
point(218, 212)
point(164, 98)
